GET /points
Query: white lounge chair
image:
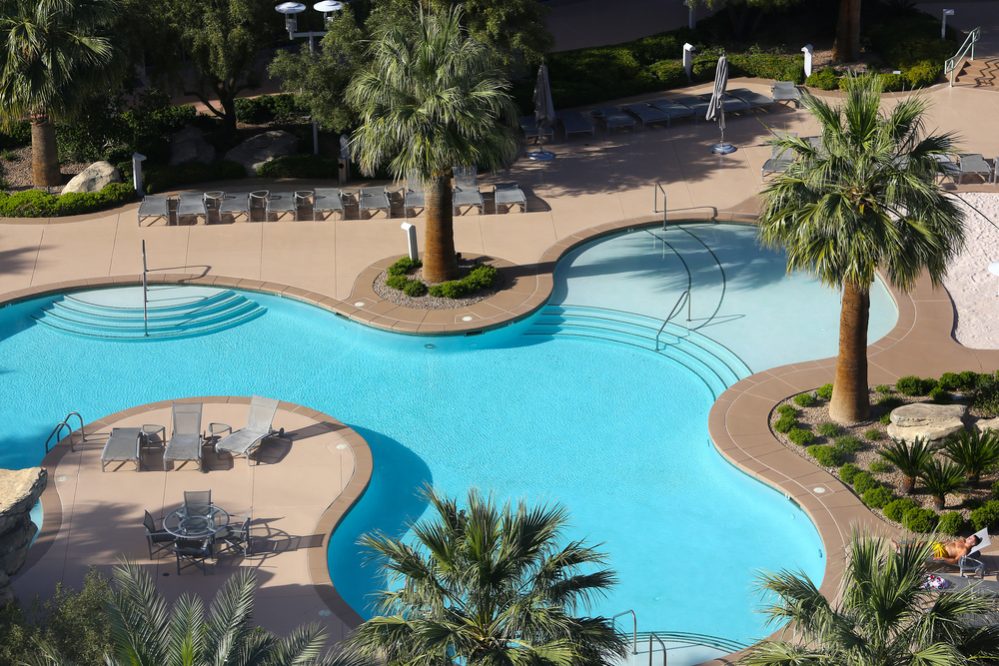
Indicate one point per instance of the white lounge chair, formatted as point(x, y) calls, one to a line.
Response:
point(154, 206)
point(191, 205)
point(327, 200)
point(245, 441)
point(510, 194)
point(971, 564)
point(185, 441)
point(122, 446)
point(374, 199)
point(466, 190)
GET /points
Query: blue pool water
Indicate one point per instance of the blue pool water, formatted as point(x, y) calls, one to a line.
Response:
point(616, 433)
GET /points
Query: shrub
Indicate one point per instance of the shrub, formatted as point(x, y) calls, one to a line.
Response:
point(920, 520)
point(267, 108)
point(910, 460)
point(884, 419)
point(942, 478)
point(863, 482)
point(889, 82)
point(775, 66)
point(16, 135)
point(785, 423)
point(952, 523)
point(910, 385)
point(968, 379)
point(884, 389)
point(828, 429)
point(848, 471)
point(874, 434)
point(800, 436)
point(848, 444)
point(987, 515)
point(414, 288)
point(825, 455)
point(670, 73)
point(596, 74)
point(396, 281)
point(895, 509)
point(300, 166)
point(824, 391)
point(881, 467)
point(823, 79)
point(36, 203)
point(805, 399)
point(940, 396)
point(995, 489)
point(889, 402)
point(986, 396)
point(787, 410)
point(950, 381)
point(480, 277)
point(878, 497)
point(404, 266)
point(977, 452)
point(163, 178)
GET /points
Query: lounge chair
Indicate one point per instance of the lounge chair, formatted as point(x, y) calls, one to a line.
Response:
point(510, 194)
point(672, 110)
point(574, 122)
point(327, 200)
point(278, 204)
point(614, 118)
point(191, 205)
point(529, 126)
point(122, 446)
point(971, 564)
point(974, 164)
point(754, 99)
point(413, 195)
point(157, 538)
point(154, 206)
point(374, 199)
point(195, 551)
point(466, 190)
point(780, 160)
point(245, 441)
point(697, 105)
point(236, 204)
point(185, 441)
point(948, 167)
point(731, 103)
point(786, 91)
point(649, 115)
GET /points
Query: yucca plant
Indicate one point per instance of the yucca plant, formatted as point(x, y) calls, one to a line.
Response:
point(977, 452)
point(909, 459)
point(941, 478)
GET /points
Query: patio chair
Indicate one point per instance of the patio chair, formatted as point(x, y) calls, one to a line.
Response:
point(529, 126)
point(786, 91)
point(613, 118)
point(974, 164)
point(413, 195)
point(154, 206)
point(754, 99)
point(122, 446)
point(258, 427)
point(197, 503)
point(466, 191)
point(236, 204)
point(673, 110)
point(510, 194)
point(235, 537)
point(780, 160)
point(191, 205)
point(157, 538)
point(185, 441)
point(948, 167)
point(374, 199)
point(649, 115)
point(195, 551)
point(327, 200)
point(574, 122)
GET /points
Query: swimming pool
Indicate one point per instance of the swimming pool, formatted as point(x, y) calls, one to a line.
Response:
point(615, 432)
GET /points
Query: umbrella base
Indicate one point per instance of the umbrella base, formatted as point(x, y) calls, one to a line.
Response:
point(723, 149)
point(541, 155)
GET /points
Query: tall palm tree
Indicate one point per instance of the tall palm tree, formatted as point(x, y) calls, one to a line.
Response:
point(145, 631)
point(49, 51)
point(430, 99)
point(884, 615)
point(865, 199)
point(488, 586)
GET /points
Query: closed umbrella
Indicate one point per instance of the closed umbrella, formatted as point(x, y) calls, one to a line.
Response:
point(716, 108)
point(544, 111)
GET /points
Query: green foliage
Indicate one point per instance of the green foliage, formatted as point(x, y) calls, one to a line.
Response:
point(787, 410)
point(884, 419)
point(881, 467)
point(952, 523)
point(825, 391)
point(514, 29)
point(987, 515)
point(800, 436)
point(910, 385)
point(414, 288)
point(775, 66)
point(592, 75)
point(940, 396)
point(164, 178)
point(299, 166)
point(397, 281)
point(878, 497)
point(923, 73)
point(785, 423)
point(908, 40)
point(952, 381)
point(823, 79)
point(863, 482)
point(15, 135)
point(270, 108)
point(986, 395)
point(995, 489)
point(895, 509)
point(889, 402)
point(669, 73)
point(941, 478)
point(848, 471)
point(884, 389)
point(976, 452)
point(825, 455)
point(828, 429)
point(848, 444)
point(404, 266)
point(874, 434)
point(805, 400)
point(910, 460)
point(920, 520)
point(36, 203)
point(479, 278)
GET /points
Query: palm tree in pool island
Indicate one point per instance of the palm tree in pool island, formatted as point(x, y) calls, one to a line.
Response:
point(487, 585)
point(49, 50)
point(432, 98)
point(865, 198)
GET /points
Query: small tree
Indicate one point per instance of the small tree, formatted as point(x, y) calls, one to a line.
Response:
point(977, 452)
point(909, 459)
point(941, 478)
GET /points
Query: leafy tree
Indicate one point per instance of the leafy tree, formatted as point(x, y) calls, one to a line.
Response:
point(51, 52)
point(977, 452)
point(486, 585)
point(514, 29)
point(941, 478)
point(884, 615)
point(432, 98)
point(866, 198)
point(909, 459)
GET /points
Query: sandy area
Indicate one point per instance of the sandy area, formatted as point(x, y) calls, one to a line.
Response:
point(970, 284)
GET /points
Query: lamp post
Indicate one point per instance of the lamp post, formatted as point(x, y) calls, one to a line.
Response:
point(943, 23)
point(290, 11)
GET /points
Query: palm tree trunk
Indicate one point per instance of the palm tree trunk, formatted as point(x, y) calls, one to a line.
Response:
point(850, 402)
point(44, 156)
point(439, 261)
point(847, 46)
point(938, 503)
point(908, 483)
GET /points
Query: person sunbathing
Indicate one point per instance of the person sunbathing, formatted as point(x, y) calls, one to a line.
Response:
point(951, 551)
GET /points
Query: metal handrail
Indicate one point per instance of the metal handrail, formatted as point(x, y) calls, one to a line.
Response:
point(634, 628)
point(65, 424)
point(662, 646)
point(950, 65)
point(655, 200)
point(684, 297)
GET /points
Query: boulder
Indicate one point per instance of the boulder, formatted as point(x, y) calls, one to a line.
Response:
point(987, 424)
point(189, 145)
point(19, 491)
point(922, 413)
point(93, 178)
point(929, 432)
point(262, 148)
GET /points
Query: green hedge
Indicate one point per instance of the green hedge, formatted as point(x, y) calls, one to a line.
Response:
point(300, 166)
point(163, 178)
point(480, 277)
point(36, 203)
point(268, 108)
point(775, 66)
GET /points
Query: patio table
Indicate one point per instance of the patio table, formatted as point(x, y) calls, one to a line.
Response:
point(179, 524)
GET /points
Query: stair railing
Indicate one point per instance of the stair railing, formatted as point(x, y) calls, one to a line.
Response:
point(64, 424)
point(952, 64)
point(684, 299)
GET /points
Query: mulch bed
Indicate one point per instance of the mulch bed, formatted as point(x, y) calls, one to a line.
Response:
point(429, 302)
point(15, 168)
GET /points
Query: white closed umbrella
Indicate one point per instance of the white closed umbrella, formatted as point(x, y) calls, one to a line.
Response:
point(716, 108)
point(544, 112)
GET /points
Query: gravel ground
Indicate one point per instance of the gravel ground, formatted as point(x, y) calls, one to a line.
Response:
point(429, 302)
point(17, 171)
point(811, 417)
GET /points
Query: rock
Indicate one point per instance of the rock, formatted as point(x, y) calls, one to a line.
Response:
point(189, 145)
point(257, 150)
point(93, 178)
point(987, 424)
point(921, 413)
point(19, 491)
point(929, 432)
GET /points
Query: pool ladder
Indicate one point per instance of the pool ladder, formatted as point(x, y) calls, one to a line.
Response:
point(56, 433)
point(652, 636)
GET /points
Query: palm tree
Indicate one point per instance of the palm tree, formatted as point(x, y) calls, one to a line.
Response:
point(941, 478)
point(146, 632)
point(909, 459)
point(484, 585)
point(430, 99)
point(884, 615)
point(977, 452)
point(50, 50)
point(865, 199)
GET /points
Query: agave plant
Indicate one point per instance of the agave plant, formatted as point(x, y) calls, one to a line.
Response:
point(942, 477)
point(977, 452)
point(909, 459)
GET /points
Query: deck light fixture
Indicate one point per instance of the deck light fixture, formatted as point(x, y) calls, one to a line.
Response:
point(943, 23)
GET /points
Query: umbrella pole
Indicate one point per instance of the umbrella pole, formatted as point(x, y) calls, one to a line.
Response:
point(722, 148)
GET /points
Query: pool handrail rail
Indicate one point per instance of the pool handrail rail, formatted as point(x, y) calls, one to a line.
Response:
point(58, 429)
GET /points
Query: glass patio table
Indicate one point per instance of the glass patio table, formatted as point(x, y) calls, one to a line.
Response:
point(183, 526)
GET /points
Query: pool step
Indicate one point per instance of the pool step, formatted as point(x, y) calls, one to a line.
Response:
point(173, 312)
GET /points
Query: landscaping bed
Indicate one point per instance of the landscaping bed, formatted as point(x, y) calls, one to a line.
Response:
point(863, 455)
point(403, 284)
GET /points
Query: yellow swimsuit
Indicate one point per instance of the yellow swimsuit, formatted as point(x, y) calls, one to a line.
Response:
point(939, 550)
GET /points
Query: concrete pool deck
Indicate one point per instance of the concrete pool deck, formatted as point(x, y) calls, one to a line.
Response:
point(593, 187)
